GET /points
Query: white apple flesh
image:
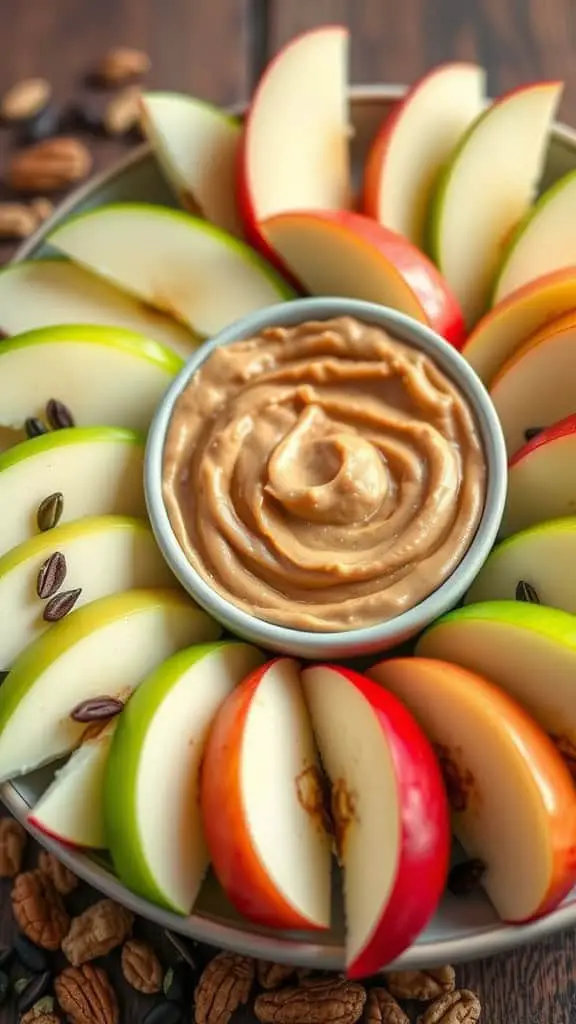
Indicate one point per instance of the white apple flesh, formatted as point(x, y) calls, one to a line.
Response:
point(104, 555)
point(105, 648)
point(152, 801)
point(510, 789)
point(196, 145)
point(179, 264)
point(99, 469)
point(49, 293)
point(541, 483)
point(389, 809)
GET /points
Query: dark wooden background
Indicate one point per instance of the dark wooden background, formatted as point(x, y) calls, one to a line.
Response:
point(216, 49)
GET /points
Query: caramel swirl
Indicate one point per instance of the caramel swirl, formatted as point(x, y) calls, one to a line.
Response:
point(324, 476)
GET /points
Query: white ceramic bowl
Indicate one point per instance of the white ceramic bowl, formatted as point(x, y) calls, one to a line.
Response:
point(463, 929)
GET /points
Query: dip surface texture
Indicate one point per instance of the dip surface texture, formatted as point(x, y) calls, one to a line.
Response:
point(323, 477)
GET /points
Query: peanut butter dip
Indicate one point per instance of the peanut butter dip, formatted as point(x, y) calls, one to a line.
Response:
point(323, 476)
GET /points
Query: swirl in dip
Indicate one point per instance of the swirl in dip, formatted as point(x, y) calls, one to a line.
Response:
point(323, 476)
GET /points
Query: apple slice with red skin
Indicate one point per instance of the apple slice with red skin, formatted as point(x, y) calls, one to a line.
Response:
point(390, 813)
point(261, 803)
point(541, 481)
point(513, 800)
point(294, 150)
point(415, 142)
point(347, 254)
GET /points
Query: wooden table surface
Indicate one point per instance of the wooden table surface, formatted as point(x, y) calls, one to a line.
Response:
point(216, 49)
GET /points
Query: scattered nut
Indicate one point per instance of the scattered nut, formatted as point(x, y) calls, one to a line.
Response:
point(49, 166)
point(382, 1008)
point(63, 879)
point(39, 910)
point(319, 1001)
point(422, 985)
point(458, 1007)
point(123, 64)
point(17, 220)
point(224, 985)
point(25, 99)
point(39, 1016)
point(123, 111)
point(270, 975)
point(12, 845)
point(42, 208)
point(86, 995)
point(141, 967)
point(101, 927)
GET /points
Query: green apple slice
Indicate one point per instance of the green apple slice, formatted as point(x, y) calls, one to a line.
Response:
point(151, 802)
point(538, 556)
point(176, 263)
point(487, 187)
point(47, 293)
point(543, 242)
point(527, 649)
point(98, 471)
point(104, 555)
point(104, 375)
point(71, 809)
point(107, 647)
point(196, 145)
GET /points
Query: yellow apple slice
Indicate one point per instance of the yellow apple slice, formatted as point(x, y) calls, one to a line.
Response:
point(513, 802)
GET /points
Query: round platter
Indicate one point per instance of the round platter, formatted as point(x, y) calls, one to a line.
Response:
point(462, 929)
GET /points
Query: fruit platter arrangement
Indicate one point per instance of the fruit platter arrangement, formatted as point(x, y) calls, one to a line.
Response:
point(152, 749)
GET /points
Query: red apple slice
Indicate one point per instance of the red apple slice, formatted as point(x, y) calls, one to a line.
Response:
point(512, 797)
point(261, 803)
point(537, 386)
point(294, 151)
point(541, 479)
point(345, 253)
point(415, 142)
point(508, 325)
point(389, 809)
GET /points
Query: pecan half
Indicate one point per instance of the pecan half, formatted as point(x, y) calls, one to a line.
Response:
point(319, 1001)
point(25, 99)
point(86, 995)
point(270, 975)
point(382, 1008)
point(141, 967)
point(49, 165)
point(12, 846)
point(422, 985)
point(38, 909)
point(101, 927)
point(224, 985)
point(17, 220)
point(122, 64)
point(459, 1007)
point(63, 879)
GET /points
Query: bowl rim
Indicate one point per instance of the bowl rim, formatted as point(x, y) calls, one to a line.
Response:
point(407, 623)
point(475, 940)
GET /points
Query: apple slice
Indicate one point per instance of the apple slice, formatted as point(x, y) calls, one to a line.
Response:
point(537, 556)
point(196, 145)
point(98, 471)
point(71, 809)
point(151, 802)
point(487, 187)
point(107, 647)
point(347, 254)
point(537, 385)
point(104, 375)
point(48, 293)
point(103, 555)
point(505, 328)
point(526, 649)
point(510, 790)
point(261, 801)
point(294, 153)
point(544, 241)
point(176, 263)
point(415, 142)
point(541, 481)
point(389, 809)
